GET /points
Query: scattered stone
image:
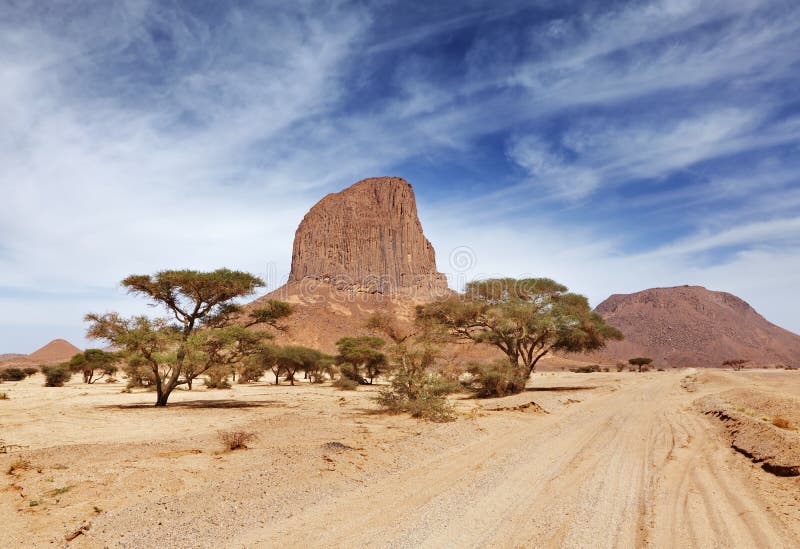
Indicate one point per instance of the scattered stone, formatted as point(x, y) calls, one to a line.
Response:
point(337, 446)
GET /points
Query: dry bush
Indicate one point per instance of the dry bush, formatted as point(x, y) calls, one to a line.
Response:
point(217, 378)
point(420, 393)
point(237, 439)
point(250, 373)
point(3, 396)
point(782, 423)
point(586, 369)
point(345, 384)
point(497, 379)
point(18, 465)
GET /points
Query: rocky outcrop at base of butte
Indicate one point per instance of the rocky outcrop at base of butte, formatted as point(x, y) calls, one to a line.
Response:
point(693, 326)
point(367, 238)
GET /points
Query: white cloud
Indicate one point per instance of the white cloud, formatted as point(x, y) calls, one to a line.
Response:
point(608, 152)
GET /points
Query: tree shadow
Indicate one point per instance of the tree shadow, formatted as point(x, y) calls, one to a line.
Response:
point(202, 404)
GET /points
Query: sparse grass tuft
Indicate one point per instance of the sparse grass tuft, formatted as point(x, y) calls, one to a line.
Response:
point(3, 396)
point(237, 439)
point(59, 491)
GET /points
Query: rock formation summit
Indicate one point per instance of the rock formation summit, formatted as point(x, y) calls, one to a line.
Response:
point(693, 326)
point(367, 238)
point(357, 252)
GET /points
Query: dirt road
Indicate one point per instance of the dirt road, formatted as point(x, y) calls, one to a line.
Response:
point(620, 460)
point(631, 467)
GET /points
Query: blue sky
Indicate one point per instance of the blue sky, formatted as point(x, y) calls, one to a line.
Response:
point(614, 146)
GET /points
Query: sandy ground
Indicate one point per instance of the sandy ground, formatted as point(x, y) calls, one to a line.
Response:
point(617, 460)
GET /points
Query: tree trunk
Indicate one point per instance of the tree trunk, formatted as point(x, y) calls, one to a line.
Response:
point(163, 391)
point(189, 382)
point(161, 399)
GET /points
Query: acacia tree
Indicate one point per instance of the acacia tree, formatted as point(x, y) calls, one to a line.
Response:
point(193, 300)
point(640, 362)
point(225, 347)
point(93, 361)
point(291, 359)
point(362, 353)
point(524, 318)
point(737, 364)
point(267, 359)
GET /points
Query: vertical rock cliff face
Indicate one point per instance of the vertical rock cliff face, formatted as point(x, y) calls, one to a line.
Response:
point(367, 238)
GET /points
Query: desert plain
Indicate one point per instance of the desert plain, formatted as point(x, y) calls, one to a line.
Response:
point(607, 459)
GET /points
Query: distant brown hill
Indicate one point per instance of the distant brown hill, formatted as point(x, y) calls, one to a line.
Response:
point(56, 351)
point(693, 326)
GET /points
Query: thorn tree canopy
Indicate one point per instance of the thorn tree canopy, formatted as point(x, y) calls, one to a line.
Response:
point(362, 352)
point(192, 300)
point(525, 318)
point(295, 358)
point(640, 362)
point(90, 361)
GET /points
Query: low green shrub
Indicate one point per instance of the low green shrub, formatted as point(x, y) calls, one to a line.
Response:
point(55, 376)
point(496, 379)
point(420, 393)
point(13, 374)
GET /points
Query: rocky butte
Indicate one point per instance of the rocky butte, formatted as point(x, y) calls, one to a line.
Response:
point(356, 252)
point(693, 326)
point(367, 238)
